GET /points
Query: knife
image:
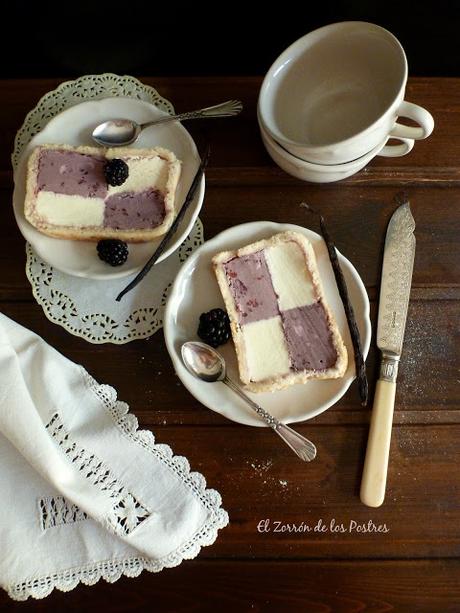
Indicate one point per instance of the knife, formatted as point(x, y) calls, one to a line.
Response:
point(398, 263)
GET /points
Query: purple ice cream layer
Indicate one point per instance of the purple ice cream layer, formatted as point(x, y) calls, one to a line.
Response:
point(251, 287)
point(134, 210)
point(71, 173)
point(308, 338)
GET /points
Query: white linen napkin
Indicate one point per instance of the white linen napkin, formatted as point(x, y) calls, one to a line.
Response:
point(85, 494)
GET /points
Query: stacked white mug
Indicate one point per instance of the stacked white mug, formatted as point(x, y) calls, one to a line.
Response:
point(331, 101)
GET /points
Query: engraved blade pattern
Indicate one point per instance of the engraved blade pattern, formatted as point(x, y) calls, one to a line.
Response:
point(398, 263)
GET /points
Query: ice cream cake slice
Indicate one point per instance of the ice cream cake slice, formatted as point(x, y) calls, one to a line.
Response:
point(67, 194)
point(284, 332)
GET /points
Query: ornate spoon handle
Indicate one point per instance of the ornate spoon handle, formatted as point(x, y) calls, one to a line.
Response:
point(225, 109)
point(304, 448)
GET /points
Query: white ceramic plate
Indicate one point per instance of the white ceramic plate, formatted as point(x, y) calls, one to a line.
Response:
point(195, 291)
point(74, 126)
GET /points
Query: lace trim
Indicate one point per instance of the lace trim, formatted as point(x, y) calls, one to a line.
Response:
point(128, 512)
point(98, 327)
point(109, 570)
point(87, 87)
point(56, 511)
point(112, 570)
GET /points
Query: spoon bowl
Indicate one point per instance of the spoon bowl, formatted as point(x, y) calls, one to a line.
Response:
point(116, 132)
point(205, 363)
point(122, 132)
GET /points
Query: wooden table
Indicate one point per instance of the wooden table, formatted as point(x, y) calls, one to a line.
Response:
point(413, 567)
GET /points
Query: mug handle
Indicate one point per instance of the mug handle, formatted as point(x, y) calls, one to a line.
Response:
point(397, 151)
point(419, 115)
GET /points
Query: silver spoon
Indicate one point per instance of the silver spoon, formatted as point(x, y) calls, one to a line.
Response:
point(207, 364)
point(118, 132)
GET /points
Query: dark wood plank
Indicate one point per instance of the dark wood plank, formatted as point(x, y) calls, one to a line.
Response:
point(236, 142)
point(297, 587)
point(143, 374)
point(239, 147)
point(259, 478)
point(357, 219)
point(377, 173)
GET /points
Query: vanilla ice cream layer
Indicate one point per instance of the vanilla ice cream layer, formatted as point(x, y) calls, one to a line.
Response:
point(290, 277)
point(266, 350)
point(143, 173)
point(65, 210)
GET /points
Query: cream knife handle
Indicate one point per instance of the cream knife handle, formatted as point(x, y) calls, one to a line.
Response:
point(378, 445)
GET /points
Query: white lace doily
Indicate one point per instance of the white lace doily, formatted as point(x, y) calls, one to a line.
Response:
point(88, 87)
point(85, 307)
point(88, 308)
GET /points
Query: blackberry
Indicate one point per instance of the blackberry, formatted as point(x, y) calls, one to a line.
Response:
point(214, 327)
point(116, 172)
point(112, 251)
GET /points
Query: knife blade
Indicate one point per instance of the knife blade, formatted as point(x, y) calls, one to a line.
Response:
point(398, 264)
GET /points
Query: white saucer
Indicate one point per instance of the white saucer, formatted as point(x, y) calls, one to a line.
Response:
point(195, 291)
point(74, 126)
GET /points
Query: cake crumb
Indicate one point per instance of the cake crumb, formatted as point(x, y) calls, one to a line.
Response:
point(262, 467)
point(283, 483)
